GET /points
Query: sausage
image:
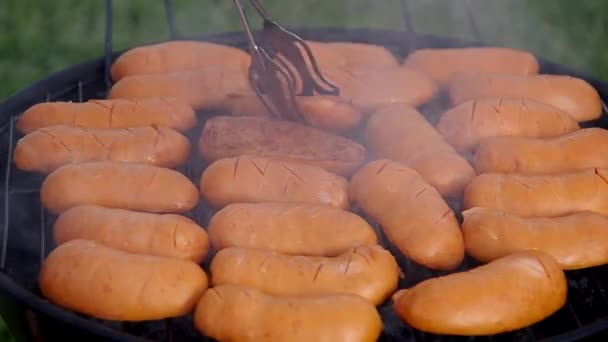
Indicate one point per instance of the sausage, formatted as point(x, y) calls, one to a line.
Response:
point(92, 279)
point(327, 112)
point(547, 195)
point(401, 133)
point(178, 56)
point(118, 113)
point(465, 125)
point(200, 88)
point(290, 228)
point(574, 151)
point(221, 315)
point(443, 64)
point(165, 235)
point(371, 88)
point(368, 271)
point(411, 212)
point(577, 240)
point(46, 149)
point(230, 136)
point(366, 88)
point(132, 186)
point(351, 55)
point(255, 179)
point(504, 295)
point(572, 95)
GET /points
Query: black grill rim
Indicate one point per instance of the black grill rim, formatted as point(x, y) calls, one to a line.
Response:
point(66, 81)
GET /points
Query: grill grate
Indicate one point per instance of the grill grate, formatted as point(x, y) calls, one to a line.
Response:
point(27, 227)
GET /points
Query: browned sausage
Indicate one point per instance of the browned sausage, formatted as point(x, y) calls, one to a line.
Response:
point(254, 180)
point(228, 136)
point(507, 294)
point(411, 212)
point(48, 148)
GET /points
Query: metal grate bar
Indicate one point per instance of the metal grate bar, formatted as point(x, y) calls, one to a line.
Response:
point(474, 28)
point(7, 178)
point(409, 25)
point(42, 236)
point(108, 44)
point(170, 18)
point(578, 322)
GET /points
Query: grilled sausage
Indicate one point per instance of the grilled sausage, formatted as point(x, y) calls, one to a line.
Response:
point(290, 228)
point(443, 64)
point(139, 187)
point(368, 271)
point(227, 137)
point(572, 95)
point(411, 212)
point(507, 294)
point(574, 151)
point(237, 313)
point(401, 133)
point(48, 148)
point(540, 195)
point(466, 124)
point(365, 88)
point(92, 279)
point(178, 56)
point(253, 180)
point(200, 88)
point(371, 88)
point(117, 113)
point(165, 235)
point(328, 112)
point(351, 55)
point(577, 240)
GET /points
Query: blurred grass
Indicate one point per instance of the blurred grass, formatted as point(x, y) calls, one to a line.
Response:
point(38, 37)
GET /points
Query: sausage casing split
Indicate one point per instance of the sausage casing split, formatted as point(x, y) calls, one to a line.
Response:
point(238, 313)
point(582, 149)
point(465, 125)
point(443, 64)
point(577, 240)
point(165, 235)
point(178, 56)
point(48, 148)
point(92, 279)
point(138, 187)
point(401, 133)
point(572, 95)
point(368, 271)
point(328, 112)
point(254, 179)
point(504, 295)
point(116, 113)
point(228, 137)
point(414, 216)
point(290, 228)
point(540, 195)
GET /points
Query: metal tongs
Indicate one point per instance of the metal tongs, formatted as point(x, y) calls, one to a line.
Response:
point(278, 67)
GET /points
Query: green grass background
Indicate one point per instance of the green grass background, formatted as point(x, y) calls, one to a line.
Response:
point(38, 37)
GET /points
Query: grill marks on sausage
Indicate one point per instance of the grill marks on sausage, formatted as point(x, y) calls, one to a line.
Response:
point(263, 262)
point(216, 292)
point(597, 173)
point(561, 121)
point(236, 166)
point(421, 192)
point(382, 167)
point(443, 216)
point(321, 264)
point(350, 259)
point(59, 141)
point(96, 138)
point(293, 173)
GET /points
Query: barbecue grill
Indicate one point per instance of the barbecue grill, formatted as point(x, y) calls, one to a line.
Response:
point(25, 228)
